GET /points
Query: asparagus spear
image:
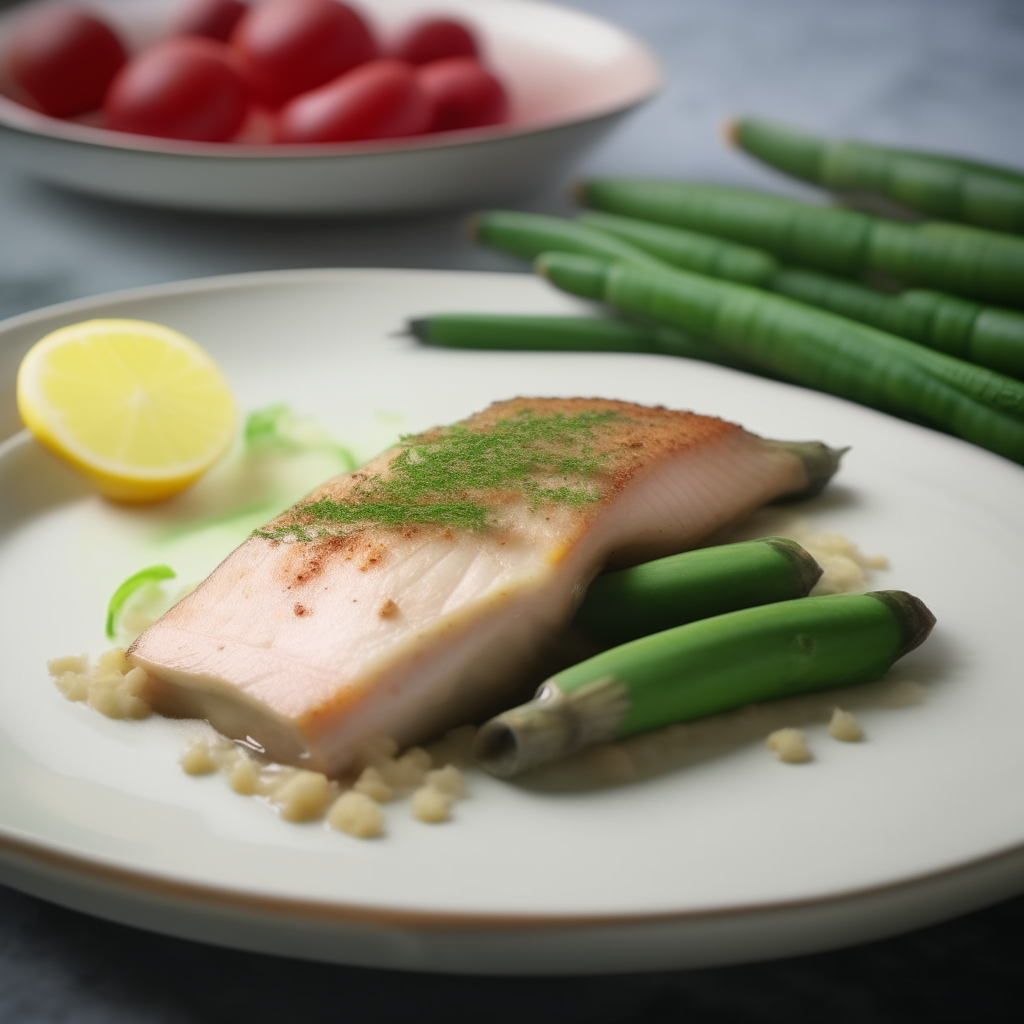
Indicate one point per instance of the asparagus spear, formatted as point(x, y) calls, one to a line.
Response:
point(525, 333)
point(667, 592)
point(936, 185)
point(705, 667)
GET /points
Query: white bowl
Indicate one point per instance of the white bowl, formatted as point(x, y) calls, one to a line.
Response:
point(571, 77)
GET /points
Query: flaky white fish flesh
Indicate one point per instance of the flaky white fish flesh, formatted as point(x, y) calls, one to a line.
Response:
point(329, 629)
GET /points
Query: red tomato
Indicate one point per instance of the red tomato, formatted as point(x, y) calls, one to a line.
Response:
point(181, 88)
point(214, 19)
point(290, 46)
point(64, 60)
point(378, 100)
point(464, 94)
point(436, 39)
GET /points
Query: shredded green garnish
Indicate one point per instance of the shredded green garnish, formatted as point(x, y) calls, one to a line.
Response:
point(277, 428)
point(152, 574)
point(436, 476)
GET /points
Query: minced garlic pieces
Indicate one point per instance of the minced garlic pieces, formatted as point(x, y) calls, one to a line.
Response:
point(244, 775)
point(304, 796)
point(843, 726)
point(432, 802)
point(842, 562)
point(431, 805)
point(447, 780)
point(198, 759)
point(112, 687)
point(371, 783)
point(455, 747)
point(78, 663)
point(356, 814)
point(407, 771)
point(789, 746)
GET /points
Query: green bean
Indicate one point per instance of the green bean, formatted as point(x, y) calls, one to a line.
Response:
point(690, 250)
point(509, 332)
point(939, 186)
point(814, 348)
point(667, 592)
point(984, 265)
point(533, 333)
point(530, 234)
point(988, 336)
point(985, 335)
point(706, 667)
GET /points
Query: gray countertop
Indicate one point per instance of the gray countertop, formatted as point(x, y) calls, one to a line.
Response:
point(918, 73)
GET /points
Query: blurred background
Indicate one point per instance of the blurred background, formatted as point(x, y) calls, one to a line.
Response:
point(946, 75)
point(940, 74)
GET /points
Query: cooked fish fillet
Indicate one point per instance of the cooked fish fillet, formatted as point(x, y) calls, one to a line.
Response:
point(414, 594)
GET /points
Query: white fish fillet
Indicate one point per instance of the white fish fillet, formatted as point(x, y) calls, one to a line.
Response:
point(312, 647)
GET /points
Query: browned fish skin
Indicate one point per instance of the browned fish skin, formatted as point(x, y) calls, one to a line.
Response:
point(310, 648)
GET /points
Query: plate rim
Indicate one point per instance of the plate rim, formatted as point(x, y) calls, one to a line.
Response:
point(14, 846)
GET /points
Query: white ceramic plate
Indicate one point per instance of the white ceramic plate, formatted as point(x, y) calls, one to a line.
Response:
point(571, 77)
point(732, 858)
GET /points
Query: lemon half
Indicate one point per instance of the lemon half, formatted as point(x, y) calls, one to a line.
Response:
point(139, 408)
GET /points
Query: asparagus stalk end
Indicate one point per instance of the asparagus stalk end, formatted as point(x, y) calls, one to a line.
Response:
point(820, 463)
point(418, 329)
point(913, 615)
point(552, 725)
point(808, 572)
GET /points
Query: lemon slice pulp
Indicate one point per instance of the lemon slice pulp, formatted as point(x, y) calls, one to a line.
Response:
point(139, 408)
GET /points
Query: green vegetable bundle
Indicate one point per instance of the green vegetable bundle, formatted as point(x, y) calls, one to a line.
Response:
point(985, 335)
point(811, 347)
point(989, 336)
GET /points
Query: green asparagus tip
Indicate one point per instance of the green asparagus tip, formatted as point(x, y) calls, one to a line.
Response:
point(914, 616)
point(807, 569)
point(820, 463)
point(473, 226)
point(419, 329)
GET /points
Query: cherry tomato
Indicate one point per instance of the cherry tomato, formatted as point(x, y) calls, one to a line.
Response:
point(290, 46)
point(214, 19)
point(64, 60)
point(435, 39)
point(378, 100)
point(464, 94)
point(181, 88)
